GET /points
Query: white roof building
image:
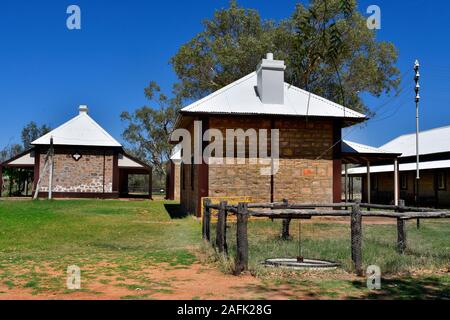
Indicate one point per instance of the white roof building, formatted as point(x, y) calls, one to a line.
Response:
point(79, 131)
point(431, 143)
point(358, 148)
point(242, 97)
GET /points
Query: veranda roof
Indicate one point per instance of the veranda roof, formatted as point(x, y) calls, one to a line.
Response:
point(353, 152)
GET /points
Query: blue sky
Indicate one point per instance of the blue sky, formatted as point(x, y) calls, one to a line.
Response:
point(46, 71)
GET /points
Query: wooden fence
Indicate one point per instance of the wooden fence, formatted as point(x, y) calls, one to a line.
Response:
point(288, 211)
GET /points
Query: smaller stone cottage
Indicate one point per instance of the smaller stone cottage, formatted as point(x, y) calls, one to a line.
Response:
point(87, 162)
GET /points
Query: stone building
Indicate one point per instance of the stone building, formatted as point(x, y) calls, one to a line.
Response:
point(173, 172)
point(86, 162)
point(309, 135)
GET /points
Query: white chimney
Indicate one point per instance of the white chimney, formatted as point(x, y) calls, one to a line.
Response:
point(271, 80)
point(83, 109)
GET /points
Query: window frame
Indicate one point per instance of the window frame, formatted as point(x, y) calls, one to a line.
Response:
point(443, 175)
point(404, 178)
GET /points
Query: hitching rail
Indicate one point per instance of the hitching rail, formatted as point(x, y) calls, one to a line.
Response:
point(288, 211)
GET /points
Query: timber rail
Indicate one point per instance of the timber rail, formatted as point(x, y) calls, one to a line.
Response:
point(288, 211)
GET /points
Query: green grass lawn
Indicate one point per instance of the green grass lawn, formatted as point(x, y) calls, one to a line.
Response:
point(115, 242)
point(104, 237)
point(428, 248)
point(422, 272)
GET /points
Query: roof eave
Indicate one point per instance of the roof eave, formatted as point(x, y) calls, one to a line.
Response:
point(349, 120)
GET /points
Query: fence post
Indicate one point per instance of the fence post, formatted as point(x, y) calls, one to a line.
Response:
point(220, 230)
point(206, 219)
point(356, 237)
point(241, 239)
point(286, 223)
point(285, 229)
point(225, 244)
point(401, 230)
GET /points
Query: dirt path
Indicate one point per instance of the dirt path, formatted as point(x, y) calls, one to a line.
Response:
point(158, 282)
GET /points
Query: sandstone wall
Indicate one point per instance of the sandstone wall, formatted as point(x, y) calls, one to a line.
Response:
point(92, 173)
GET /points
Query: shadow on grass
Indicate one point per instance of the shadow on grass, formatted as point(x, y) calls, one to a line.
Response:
point(408, 288)
point(175, 211)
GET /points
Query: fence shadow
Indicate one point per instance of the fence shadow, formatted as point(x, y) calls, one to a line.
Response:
point(175, 211)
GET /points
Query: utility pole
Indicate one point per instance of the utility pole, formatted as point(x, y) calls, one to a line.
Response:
point(417, 99)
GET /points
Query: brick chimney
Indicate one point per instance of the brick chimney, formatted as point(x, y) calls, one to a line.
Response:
point(271, 80)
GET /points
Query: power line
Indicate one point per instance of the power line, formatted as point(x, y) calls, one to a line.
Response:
point(383, 105)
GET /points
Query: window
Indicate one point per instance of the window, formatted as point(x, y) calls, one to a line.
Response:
point(404, 182)
point(374, 182)
point(441, 181)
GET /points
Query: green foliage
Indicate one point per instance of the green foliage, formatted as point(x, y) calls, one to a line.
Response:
point(10, 151)
point(18, 176)
point(29, 133)
point(148, 128)
point(327, 46)
point(32, 132)
point(230, 46)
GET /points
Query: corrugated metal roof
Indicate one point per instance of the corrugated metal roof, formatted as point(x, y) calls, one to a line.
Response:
point(80, 131)
point(430, 141)
point(403, 167)
point(126, 162)
point(356, 148)
point(240, 97)
point(25, 160)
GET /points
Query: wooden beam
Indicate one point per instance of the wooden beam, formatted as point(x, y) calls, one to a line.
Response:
point(286, 223)
point(221, 227)
point(285, 229)
point(203, 168)
point(150, 184)
point(206, 219)
point(368, 182)
point(346, 182)
point(241, 239)
point(1, 180)
point(115, 173)
point(356, 238)
point(396, 183)
point(37, 164)
point(401, 236)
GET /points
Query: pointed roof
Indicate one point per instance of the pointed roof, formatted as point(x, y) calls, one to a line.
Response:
point(431, 141)
point(241, 97)
point(357, 148)
point(79, 131)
